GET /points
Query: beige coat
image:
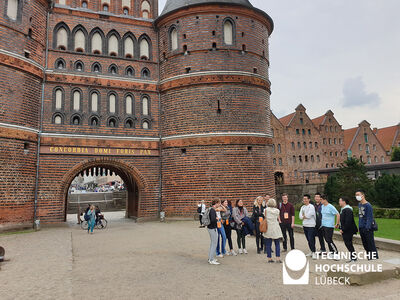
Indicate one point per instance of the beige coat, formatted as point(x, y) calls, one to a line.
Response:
point(274, 230)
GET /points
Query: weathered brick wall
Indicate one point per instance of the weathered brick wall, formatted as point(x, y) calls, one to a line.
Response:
point(210, 172)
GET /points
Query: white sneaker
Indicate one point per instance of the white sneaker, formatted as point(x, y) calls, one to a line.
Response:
point(220, 255)
point(336, 256)
point(330, 255)
point(240, 251)
point(213, 262)
point(233, 253)
point(309, 254)
point(314, 255)
point(245, 251)
point(229, 253)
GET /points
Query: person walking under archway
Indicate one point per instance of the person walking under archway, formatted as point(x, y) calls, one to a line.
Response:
point(92, 218)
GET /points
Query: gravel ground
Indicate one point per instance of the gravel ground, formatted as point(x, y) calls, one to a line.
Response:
point(153, 261)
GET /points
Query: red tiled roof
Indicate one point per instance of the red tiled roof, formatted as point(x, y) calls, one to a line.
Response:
point(318, 121)
point(286, 119)
point(386, 136)
point(348, 136)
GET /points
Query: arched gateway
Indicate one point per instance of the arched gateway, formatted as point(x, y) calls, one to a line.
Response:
point(130, 175)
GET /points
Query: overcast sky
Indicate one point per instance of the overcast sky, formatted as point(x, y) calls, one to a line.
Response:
point(342, 55)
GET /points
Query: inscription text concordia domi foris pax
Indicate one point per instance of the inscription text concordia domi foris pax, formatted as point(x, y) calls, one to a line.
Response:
point(96, 151)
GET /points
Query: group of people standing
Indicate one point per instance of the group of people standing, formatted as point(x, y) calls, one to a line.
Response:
point(320, 220)
point(221, 218)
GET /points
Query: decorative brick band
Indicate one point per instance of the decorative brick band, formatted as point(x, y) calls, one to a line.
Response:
point(24, 65)
point(218, 78)
point(101, 81)
point(216, 140)
point(18, 134)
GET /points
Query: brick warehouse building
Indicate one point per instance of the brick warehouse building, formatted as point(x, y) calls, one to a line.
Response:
point(177, 104)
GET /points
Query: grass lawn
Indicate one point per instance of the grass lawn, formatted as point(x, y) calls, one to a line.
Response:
point(387, 228)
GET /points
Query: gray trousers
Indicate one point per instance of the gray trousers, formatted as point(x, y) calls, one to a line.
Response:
point(213, 245)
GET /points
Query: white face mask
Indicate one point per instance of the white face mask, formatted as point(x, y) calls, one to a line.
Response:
point(359, 198)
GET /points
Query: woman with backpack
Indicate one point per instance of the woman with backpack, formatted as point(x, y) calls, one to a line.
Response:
point(257, 217)
point(239, 212)
point(227, 221)
point(91, 216)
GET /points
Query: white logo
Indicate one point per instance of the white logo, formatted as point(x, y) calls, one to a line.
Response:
point(295, 261)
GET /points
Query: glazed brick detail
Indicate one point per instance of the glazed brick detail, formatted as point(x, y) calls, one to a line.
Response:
point(20, 97)
point(195, 109)
point(228, 172)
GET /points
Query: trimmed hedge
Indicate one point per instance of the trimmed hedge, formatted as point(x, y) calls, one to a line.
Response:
point(386, 213)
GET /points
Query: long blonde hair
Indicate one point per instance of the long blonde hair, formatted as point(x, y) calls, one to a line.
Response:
point(258, 198)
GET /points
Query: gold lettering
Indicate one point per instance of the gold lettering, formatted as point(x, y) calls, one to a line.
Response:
point(74, 150)
point(86, 150)
point(51, 149)
point(69, 149)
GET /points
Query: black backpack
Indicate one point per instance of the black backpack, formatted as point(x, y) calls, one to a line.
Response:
point(199, 209)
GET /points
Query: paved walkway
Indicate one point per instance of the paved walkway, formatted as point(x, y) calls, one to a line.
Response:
point(152, 261)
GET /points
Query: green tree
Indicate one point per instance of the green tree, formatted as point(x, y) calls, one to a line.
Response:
point(352, 176)
point(387, 191)
point(395, 154)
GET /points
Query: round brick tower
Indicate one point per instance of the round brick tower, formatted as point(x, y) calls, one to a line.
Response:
point(215, 103)
point(22, 60)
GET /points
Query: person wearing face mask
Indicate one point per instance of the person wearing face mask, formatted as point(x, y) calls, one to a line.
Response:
point(365, 221)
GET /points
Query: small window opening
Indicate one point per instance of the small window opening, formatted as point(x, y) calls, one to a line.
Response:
point(219, 107)
point(187, 70)
point(183, 151)
point(27, 53)
point(249, 148)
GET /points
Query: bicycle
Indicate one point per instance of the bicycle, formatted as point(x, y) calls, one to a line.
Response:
point(101, 223)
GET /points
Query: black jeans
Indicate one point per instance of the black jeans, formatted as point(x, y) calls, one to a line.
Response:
point(200, 218)
point(310, 236)
point(348, 241)
point(259, 236)
point(241, 239)
point(367, 238)
point(228, 233)
point(320, 233)
point(287, 227)
point(328, 235)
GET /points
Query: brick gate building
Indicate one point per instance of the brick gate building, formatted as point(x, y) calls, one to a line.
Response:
point(176, 104)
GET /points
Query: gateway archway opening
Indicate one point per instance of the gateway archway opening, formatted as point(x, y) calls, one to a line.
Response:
point(111, 188)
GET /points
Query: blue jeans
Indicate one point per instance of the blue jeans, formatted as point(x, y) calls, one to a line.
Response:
point(310, 236)
point(91, 224)
point(268, 243)
point(221, 232)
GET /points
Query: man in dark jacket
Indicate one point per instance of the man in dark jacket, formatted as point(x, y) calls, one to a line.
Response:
point(347, 226)
point(287, 221)
point(318, 217)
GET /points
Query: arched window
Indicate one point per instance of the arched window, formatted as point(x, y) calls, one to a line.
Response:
point(274, 161)
point(78, 66)
point(76, 100)
point(61, 2)
point(84, 4)
point(113, 45)
point(76, 120)
point(228, 32)
point(97, 43)
point(280, 161)
point(145, 9)
point(144, 49)
point(294, 158)
point(129, 123)
point(79, 41)
point(113, 69)
point(145, 73)
point(129, 105)
point(145, 106)
point(129, 71)
point(173, 36)
point(58, 99)
point(94, 121)
point(96, 68)
point(112, 122)
point(279, 148)
point(112, 103)
point(59, 64)
point(62, 39)
point(12, 9)
point(129, 47)
point(94, 102)
point(145, 125)
point(58, 119)
point(304, 145)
